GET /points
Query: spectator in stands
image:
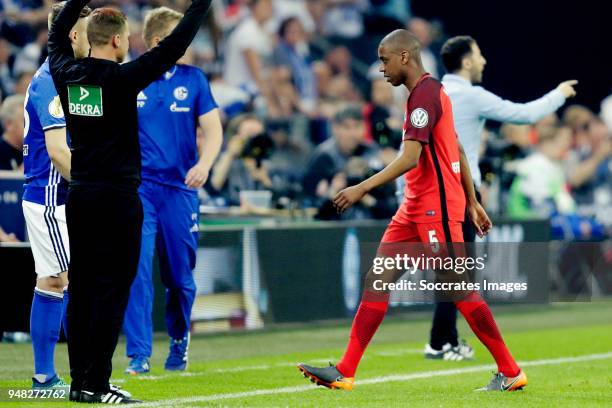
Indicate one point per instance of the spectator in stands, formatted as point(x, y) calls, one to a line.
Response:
point(383, 115)
point(344, 18)
point(284, 101)
point(23, 82)
point(241, 165)
point(232, 100)
point(299, 9)
point(7, 83)
point(579, 118)
point(249, 50)
point(21, 16)
point(422, 30)
point(288, 161)
point(589, 171)
point(330, 157)
point(541, 188)
point(32, 55)
point(292, 52)
point(11, 144)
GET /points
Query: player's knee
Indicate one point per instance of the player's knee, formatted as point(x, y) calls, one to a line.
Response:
point(52, 283)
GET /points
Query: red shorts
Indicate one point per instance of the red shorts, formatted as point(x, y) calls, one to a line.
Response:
point(427, 238)
point(427, 233)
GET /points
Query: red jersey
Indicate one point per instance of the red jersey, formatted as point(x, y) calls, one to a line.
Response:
point(433, 192)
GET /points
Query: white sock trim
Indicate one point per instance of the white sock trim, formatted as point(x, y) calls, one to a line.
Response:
point(59, 295)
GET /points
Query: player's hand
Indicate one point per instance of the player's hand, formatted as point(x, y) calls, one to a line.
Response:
point(347, 197)
point(196, 176)
point(567, 88)
point(480, 219)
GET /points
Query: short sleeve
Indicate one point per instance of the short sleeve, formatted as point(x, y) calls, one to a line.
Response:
point(205, 101)
point(48, 107)
point(423, 111)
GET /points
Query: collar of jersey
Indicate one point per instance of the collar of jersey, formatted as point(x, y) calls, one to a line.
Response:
point(169, 74)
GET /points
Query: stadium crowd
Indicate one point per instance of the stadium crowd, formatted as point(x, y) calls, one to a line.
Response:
point(307, 113)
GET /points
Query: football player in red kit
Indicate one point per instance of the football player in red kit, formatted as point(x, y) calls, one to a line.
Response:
point(438, 188)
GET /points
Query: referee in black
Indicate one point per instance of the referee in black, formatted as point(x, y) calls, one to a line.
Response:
point(103, 211)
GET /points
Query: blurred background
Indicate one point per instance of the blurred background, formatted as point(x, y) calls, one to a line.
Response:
point(295, 78)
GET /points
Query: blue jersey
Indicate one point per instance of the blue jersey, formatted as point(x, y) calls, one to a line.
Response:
point(168, 112)
point(43, 111)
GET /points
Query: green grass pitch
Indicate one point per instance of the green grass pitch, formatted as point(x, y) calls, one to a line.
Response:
point(566, 351)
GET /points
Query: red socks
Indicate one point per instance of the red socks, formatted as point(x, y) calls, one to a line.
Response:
point(372, 311)
point(478, 315)
point(370, 314)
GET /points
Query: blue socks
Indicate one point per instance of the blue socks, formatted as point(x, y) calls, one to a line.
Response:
point(45, 323)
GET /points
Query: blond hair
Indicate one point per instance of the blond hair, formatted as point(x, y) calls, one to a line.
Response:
point(156, 23)
point(57, 7)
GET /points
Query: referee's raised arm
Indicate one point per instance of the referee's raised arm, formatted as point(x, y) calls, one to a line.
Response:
point(149, 66)
point(59, 46)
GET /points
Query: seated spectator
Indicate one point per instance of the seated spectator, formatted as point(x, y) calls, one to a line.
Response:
point(292, 52)
point(241, 165)
point(541, 189)
point(330, 157)
point(11, 143)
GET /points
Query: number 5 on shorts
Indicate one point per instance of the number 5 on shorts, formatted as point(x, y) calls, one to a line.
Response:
point(435, 247)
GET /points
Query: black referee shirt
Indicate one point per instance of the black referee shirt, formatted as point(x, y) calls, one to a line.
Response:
point(99, 97)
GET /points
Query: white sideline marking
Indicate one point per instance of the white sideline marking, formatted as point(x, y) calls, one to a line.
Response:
point(216, 371)
point(238, 369)
point(376, 380)
point(397, 352)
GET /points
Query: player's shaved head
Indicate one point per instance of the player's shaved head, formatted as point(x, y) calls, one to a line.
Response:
point(400, 56)
point(401, 40)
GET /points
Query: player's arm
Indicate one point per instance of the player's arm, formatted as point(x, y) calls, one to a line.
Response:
point(478, 215)
point(59, 152)
point(209, 149)
point(405, 161)
point(60, 49)
point(495, 108)
point(149, 66)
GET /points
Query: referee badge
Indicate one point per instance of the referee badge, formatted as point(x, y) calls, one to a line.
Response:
point(419, 118)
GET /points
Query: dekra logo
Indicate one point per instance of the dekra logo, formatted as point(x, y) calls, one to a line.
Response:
point(85, 100)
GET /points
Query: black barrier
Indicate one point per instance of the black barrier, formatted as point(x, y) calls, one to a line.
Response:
point(247, 277)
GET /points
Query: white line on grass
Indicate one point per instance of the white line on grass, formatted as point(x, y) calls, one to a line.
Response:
point(146, 377)
point(215, 371)
point(376, 380)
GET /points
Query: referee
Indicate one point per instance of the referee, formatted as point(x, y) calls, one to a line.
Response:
point(103, 210)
